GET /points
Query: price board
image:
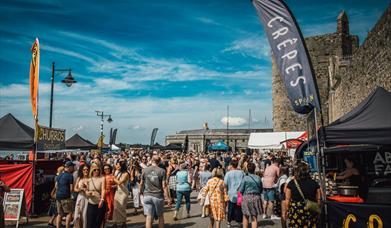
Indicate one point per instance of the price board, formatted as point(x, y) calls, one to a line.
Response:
point(14, 205)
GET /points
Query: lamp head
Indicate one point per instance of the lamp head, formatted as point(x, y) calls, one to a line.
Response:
point(109, 119)
point(69, 80)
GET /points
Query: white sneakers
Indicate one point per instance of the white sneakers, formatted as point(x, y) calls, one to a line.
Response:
point(274, 217)
point(264, 216)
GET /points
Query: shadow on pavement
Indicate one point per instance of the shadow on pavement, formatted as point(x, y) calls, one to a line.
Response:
point(142, 225)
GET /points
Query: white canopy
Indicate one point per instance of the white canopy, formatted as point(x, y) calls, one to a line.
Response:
point(271, 140)
point(114, 147)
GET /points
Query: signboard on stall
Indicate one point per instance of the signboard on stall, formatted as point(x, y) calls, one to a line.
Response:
point(356, 215)
point(382, 163)
point(310, 158)
point(50, 138)
point(14, 205)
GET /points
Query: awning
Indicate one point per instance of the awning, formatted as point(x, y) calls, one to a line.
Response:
point(271, 140)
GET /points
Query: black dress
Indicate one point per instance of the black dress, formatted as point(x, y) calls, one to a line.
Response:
point(297, 215)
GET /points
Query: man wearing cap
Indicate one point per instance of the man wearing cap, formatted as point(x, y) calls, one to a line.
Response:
point(64, 186)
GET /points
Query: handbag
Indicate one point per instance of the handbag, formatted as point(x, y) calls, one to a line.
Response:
point(309, 204)
point(240, 195)
point(239, 199)
point(208, 195)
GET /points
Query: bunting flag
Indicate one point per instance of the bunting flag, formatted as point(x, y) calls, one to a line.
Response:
point(153, 136)
point(114, 135)
point(290, 53)
point(34, 78)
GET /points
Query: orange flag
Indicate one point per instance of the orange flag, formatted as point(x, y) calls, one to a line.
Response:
point(34, 79)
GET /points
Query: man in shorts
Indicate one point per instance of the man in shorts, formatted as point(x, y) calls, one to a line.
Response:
point(154, 189)
point(64, 188)
point(270, 177)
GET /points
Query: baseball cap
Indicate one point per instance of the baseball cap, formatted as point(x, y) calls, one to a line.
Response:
point(69, 164)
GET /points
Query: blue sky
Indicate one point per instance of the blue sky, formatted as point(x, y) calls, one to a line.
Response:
point(169, 64)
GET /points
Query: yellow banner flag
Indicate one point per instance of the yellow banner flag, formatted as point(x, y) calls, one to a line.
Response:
point(100, 142)
point(34, 79)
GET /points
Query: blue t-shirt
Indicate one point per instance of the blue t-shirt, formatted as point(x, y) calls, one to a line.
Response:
point(232, 180)
point(64, 181)
point(204, 177)
point(251, 184)
point(182, 181)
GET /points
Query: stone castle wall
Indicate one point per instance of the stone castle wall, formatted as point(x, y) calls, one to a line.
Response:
point(345, 72)
point(370, 67)
point(320, 48)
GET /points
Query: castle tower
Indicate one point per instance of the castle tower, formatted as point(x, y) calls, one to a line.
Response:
point(343, 23)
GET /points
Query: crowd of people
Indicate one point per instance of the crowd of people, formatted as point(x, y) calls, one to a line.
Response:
point(93, 190)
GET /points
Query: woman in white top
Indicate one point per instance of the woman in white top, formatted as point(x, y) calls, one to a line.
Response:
point(80, 214)
point(121, 178)
point(96, 192)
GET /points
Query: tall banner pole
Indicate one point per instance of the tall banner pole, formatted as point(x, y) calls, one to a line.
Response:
point(34, 87)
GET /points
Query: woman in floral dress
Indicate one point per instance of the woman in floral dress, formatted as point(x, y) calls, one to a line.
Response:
point(218, 197)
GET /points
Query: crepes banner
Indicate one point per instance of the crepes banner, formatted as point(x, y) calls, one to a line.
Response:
point(50, 138)
point(348, 215)
point(290, 53)
point(34, 78)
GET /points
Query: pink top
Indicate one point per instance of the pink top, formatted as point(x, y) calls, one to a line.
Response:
point(270, 176)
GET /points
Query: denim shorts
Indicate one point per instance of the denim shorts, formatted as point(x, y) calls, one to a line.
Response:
point(153, 206)
point(269, 194)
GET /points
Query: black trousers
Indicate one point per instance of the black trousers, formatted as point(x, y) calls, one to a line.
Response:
point(95, 215)
point(234, 212)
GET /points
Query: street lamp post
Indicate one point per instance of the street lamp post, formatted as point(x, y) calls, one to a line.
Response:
point(68, 81)
point(109, 119)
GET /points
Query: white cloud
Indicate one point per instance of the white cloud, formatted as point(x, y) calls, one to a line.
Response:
point(68, 53)
point(255, 46)
point(75, 109)
point(132, 66)
point(207, 21)
point(136, 127)
point(113, 84)
point(78, 128)
point(254, 120)
point(233, 121)
point(14, 90)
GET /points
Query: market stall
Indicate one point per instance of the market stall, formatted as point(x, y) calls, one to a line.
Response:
point(364, 136)
point(16, 138)
point(281, 141)
point(78, 142)
point(173, 146)
point(218, 146)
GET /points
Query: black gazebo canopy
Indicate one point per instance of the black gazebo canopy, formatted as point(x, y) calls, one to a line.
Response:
point(368, 123)
point(77, 142)
point(15, 135)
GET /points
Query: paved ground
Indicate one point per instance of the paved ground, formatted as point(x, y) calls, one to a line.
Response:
point(137, 221)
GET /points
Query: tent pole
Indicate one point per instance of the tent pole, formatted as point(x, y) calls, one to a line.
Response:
point(33, 187)
point(321, 162)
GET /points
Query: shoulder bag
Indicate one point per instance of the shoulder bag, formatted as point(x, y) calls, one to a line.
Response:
point(309, 204)
point(207, 198)
point(240, 195)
